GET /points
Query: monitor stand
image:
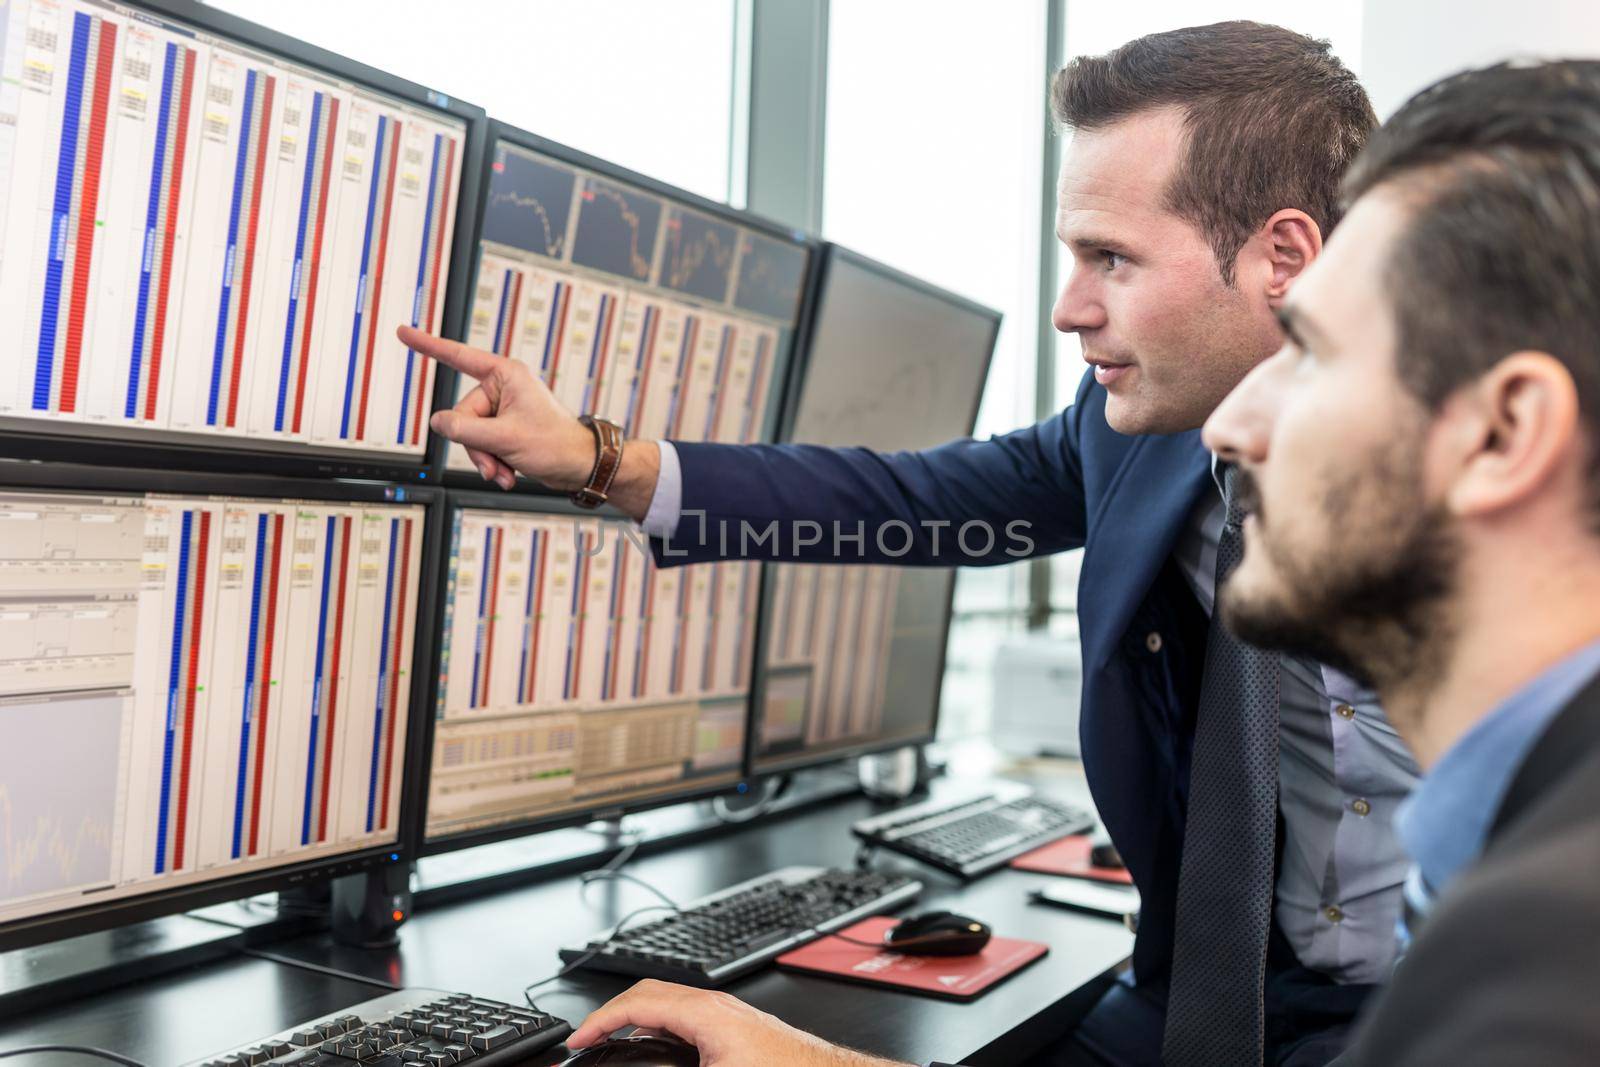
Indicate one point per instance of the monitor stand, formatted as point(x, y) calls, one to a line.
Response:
point(896, 774)
point(48, 974)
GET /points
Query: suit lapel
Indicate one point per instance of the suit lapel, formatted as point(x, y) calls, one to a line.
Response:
point(1133, 529)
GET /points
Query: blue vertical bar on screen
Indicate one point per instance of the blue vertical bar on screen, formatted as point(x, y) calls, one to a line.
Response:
point(550, 329)
point(316, 684)
point(152, 219)
point(174, 676)
point(572, 626)
point(383, 675)
point(61, 211)
point(638, 366)
point(644, 629)
point(422, 280)
point(249, 682)
point(500, 316)
point(361, 285)
point(292, 319)
point(527, 614)
point(226, 299)
point(483, 601)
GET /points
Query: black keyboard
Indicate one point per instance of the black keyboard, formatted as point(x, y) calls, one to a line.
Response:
point(743, 927)
point(410, 1026)
point(974, 836)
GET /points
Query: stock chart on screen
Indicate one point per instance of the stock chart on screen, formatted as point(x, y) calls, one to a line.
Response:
point(575, 673)
point(224, 681)
point(633, 304)
point(204, 243)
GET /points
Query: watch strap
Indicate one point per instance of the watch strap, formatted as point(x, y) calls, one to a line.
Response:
point(607, 461)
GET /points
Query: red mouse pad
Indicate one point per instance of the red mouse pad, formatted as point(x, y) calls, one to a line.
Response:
point(1069, 856)
point(950, 977)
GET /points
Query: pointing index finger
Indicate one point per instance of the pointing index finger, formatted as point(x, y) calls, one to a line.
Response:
point(469, 361)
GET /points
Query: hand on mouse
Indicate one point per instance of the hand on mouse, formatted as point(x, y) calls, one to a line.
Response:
point(726, 1031)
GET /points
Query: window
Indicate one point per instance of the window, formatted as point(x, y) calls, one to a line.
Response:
point(933, 158)
point(645, 85)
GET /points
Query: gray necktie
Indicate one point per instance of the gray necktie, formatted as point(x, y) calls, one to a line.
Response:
point(1215, 1012)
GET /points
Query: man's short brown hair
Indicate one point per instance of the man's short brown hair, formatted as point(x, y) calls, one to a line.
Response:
point(1273, 121)
point(1500, 169)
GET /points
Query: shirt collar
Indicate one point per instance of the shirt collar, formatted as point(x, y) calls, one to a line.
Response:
point(1445, 824)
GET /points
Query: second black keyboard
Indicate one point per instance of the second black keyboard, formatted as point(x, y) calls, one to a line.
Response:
point(974, 836)
point(743, 927)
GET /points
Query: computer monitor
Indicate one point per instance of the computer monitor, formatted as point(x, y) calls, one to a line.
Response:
point(853, 656)
point(208, 234)
point(205, 687)
point(668, 314)
point(575, 677)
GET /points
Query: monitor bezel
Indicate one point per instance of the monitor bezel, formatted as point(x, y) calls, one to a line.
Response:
point(497, 131)
point(758, 767)
point(77, 478)
point(203, 454)
point(457, 500)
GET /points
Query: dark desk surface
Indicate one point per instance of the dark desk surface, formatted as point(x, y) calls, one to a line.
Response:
point(497, 944)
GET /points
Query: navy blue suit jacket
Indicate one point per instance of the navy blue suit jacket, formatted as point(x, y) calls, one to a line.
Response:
point(1077, 483)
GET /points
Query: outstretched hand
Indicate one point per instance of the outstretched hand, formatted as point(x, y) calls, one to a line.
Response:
point(509, 422)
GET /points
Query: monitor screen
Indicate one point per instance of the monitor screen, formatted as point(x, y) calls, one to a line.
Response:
point(892, 363)
point(197, 688)
point(854, 655)
point(203, 243)
point(854, 659)
point(576, 677)
point(634, 303)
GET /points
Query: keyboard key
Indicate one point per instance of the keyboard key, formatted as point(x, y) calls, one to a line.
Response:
point(460, 1052)
point(493, 1039)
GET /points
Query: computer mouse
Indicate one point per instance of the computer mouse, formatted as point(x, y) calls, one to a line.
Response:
point(636, 1051)
point(1105, 854)
point(938, 933)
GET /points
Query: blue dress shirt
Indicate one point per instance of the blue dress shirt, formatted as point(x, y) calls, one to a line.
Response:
point(1445, 824)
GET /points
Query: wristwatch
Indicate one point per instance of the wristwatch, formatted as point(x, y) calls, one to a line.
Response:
point(607, 461)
